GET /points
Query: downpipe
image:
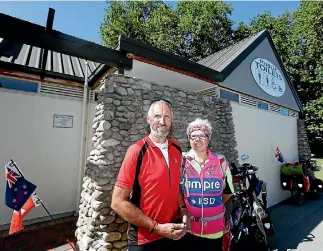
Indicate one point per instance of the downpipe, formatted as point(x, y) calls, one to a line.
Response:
point(83, 141)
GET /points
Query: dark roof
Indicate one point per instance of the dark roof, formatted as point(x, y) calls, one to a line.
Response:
point(29, 56)
point(221, 59)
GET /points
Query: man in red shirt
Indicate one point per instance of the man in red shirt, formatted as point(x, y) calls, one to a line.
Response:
point(150, 176)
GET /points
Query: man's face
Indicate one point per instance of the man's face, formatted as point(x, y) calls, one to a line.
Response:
point(160, 120)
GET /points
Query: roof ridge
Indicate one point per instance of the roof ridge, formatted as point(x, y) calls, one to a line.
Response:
point(232, 45)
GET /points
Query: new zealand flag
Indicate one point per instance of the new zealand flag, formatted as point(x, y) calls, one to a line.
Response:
point(279, 155)
point(18, 189)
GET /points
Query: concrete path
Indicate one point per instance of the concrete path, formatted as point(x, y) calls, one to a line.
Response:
point(298, 227)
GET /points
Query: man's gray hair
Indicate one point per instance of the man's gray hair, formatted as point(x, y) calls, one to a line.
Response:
point(150, 111)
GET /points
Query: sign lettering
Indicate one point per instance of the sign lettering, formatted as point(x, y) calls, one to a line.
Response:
point(268, 77)
point(206, 201)
point(209, 185)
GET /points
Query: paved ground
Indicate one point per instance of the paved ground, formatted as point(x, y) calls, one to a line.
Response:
point(298, 227)
point(40, 237)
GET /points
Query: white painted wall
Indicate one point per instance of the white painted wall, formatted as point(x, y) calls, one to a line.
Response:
point(258, 133)
point(162, 76)
point(47, 156)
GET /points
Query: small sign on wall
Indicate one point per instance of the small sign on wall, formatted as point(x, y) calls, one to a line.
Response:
point(63, 121)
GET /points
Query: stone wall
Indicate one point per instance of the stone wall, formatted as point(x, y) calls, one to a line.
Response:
point(120, 121)
point(304, 150)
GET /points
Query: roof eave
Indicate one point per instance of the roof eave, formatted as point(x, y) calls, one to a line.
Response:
point(291, 86)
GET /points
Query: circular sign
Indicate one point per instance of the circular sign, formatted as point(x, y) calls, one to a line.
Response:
point(268, 77)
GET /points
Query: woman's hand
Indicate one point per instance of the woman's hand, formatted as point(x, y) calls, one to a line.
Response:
point(185, 220)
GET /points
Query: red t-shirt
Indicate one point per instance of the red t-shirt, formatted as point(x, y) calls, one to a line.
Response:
point(157, 189)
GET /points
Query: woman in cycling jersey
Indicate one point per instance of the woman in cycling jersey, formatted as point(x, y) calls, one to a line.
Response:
point(206, 185)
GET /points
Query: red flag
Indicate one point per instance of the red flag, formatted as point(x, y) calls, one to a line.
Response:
point(278, 153)
point(18, 216)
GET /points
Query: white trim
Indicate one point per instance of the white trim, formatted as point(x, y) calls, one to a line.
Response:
point(39, 87)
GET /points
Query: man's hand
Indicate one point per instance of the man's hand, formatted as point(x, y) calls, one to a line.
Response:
point(171, 230)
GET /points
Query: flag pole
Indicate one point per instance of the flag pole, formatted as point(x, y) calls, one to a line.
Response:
point(59, 230)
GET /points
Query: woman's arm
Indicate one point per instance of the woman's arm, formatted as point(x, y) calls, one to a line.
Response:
point(229, 188)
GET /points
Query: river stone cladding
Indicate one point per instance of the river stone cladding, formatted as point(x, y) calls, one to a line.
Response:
point(304, 150)
point(120, 121)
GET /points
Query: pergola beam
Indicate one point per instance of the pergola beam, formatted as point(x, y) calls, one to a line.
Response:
point(21, 31)
point(48, 29)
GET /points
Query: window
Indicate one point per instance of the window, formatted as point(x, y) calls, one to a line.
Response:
point(229, 95)
point(284, 111)
point(18, 84)
point(262, 105)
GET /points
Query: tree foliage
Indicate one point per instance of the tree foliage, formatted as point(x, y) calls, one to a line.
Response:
point(204, 28)
point(127, 18)
point(193, 29)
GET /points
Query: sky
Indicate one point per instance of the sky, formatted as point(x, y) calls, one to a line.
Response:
point(83, 19)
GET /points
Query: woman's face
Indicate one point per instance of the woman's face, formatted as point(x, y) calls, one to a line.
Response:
point(199, 141)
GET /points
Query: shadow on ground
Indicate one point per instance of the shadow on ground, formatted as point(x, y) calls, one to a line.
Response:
point(40, 239)
point(297, 226)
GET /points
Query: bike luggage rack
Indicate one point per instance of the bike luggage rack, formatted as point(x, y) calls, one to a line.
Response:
point(285, 178)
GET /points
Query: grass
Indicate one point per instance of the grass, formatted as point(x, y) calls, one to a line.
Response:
point(319, 174)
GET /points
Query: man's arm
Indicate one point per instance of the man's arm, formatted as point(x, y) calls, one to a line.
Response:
point(135, 216)
point(122, 206)
point(128, 211)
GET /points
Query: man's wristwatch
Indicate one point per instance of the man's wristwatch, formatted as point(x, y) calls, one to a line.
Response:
point(182, 207)
point(153, 227)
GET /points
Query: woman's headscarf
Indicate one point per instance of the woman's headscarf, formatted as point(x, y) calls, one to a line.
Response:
point(199, 124)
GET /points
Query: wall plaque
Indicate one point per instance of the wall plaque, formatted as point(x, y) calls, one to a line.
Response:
point(63, 121)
